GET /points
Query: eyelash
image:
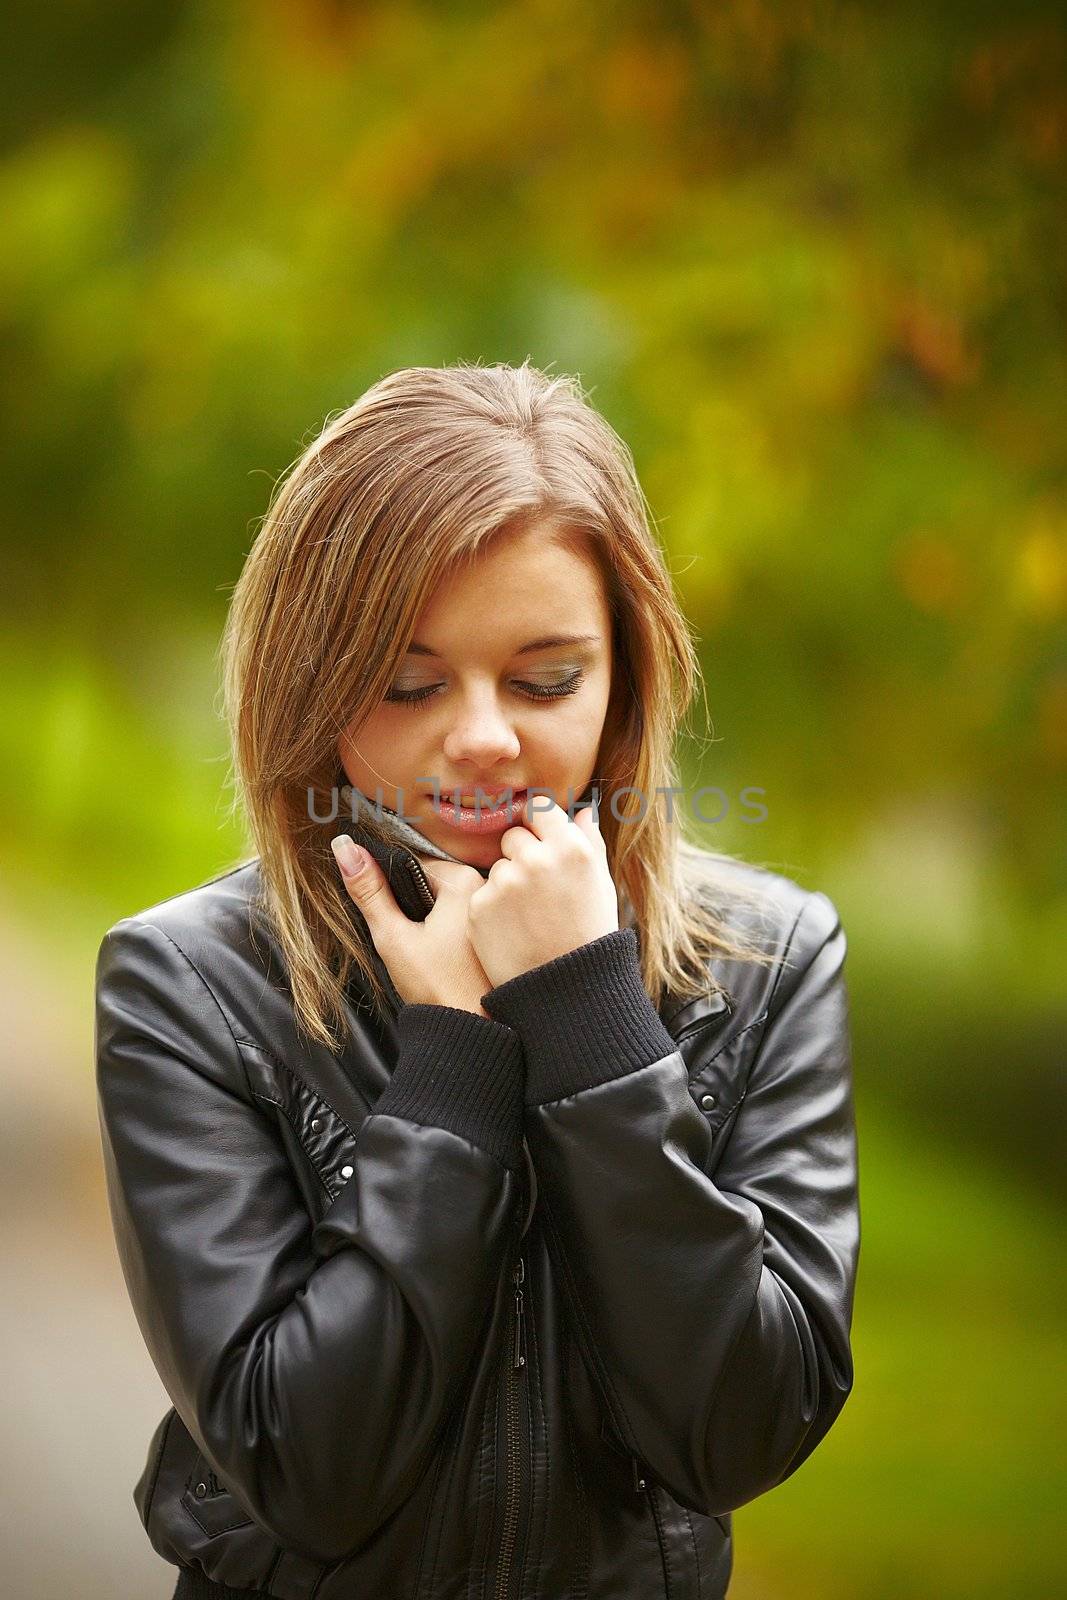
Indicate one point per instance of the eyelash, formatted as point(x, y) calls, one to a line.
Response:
point(531, 691)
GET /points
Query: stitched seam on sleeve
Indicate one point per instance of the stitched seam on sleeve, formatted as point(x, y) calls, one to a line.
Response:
point(645, 1066)
point(157, 1464)
point(814, 955)
point(312, 1163)
point(785, 956)
point(728, 1044)
point(250, 1044)
point(696, 1553)
point(209, 990)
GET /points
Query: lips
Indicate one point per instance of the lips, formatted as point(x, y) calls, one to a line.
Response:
point(482, 797)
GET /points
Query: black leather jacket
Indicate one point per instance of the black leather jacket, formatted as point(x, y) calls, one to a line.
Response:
point(517, 1306)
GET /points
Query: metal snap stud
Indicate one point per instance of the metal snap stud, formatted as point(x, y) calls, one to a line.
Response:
point(201, 1490)
point(707, 1101)
point(346, 1172)
point(316, 1124)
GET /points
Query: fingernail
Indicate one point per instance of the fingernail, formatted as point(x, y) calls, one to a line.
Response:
point(349, 856)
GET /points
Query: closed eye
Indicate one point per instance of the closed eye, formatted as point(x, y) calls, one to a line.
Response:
point(529, 691)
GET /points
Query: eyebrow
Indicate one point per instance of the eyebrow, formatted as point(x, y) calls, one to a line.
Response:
point(550, 642)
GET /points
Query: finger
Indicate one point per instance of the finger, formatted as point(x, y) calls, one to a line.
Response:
point(367, 886)
point(543, 816)
point(587, 820)
point(518, 843)
point(451, 877)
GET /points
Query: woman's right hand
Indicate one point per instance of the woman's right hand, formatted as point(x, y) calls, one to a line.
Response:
point(430, 962)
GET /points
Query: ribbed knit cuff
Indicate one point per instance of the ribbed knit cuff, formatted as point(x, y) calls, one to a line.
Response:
point(459, 1071)
point(583, 1018)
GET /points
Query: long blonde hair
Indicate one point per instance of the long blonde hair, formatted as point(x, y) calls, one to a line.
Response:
point(413, 478)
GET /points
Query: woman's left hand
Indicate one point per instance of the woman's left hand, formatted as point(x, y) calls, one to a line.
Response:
point(550, 893)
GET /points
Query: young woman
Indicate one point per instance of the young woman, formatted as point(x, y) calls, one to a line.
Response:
point(484, 1176)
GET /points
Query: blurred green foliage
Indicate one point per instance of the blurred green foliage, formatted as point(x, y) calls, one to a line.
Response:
point(808, 259)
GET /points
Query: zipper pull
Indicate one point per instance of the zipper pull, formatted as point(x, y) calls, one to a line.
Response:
point(519, 1276)
point(639, 1482)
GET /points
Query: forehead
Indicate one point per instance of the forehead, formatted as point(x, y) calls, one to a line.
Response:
point(519, 587)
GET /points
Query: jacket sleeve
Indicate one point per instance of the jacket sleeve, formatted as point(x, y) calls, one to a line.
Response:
point(714, 1314)
point(313, 1363)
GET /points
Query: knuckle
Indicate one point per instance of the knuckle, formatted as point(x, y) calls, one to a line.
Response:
point(366, 893)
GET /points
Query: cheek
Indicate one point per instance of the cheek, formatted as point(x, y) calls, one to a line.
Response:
point(573, 736)
point(383, 748)
point(594, 707)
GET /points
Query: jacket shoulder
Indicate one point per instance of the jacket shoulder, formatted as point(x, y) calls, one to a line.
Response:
point(755, 898)
point(767, 911)
point(210, 911)
point(216, 932)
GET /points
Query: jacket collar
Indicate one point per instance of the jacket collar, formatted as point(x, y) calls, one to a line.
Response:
point(408, 877)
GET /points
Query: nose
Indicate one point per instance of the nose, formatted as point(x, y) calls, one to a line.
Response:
point(481, 733)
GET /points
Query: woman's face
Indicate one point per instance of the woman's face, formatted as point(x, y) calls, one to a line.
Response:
point(511, 664)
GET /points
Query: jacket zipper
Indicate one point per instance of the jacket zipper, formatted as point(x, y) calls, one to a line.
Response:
point(512, 1376)
point(417, 866)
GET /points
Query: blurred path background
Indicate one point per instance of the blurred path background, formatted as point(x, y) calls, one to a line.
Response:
point(808, 260)
point(79, 1389)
